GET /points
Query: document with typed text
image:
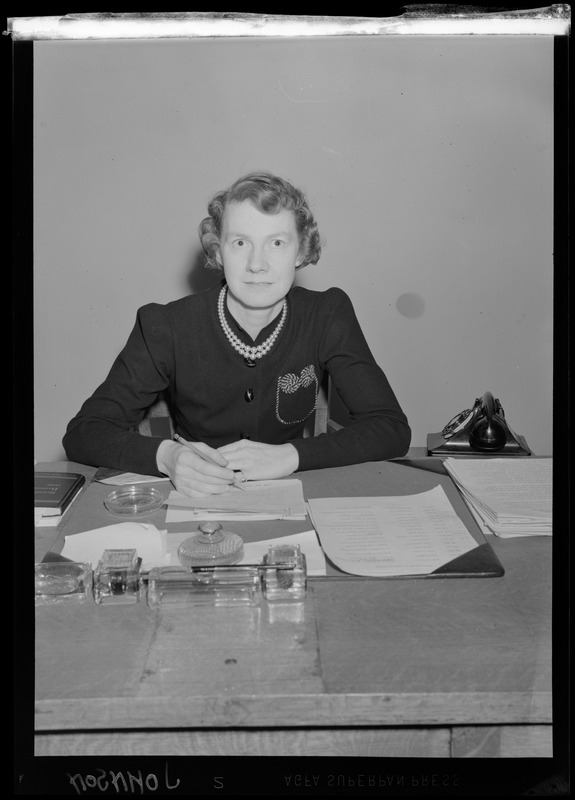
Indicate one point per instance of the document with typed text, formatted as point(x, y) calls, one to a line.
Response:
point(390, 536)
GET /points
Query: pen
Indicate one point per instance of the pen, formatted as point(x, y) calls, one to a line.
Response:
point(204, 456)
point(234, 567)
point(174, 574)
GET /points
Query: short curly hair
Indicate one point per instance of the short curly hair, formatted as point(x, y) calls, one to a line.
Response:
point(269, 194)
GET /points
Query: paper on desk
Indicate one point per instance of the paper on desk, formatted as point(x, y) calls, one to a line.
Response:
point(512, 497)
point(261, 500)
point(150, 543)
point(255, 551)
point(390, 536)
point(503, 531)
point(114, 477)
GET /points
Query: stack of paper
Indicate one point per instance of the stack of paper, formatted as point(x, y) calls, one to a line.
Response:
point(414, 534)
point(507, 496)
point(260, 500)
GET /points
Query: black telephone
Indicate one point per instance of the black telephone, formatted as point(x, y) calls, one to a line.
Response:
point(481, 430)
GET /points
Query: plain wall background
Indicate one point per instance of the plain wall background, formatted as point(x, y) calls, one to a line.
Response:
point(428, 162)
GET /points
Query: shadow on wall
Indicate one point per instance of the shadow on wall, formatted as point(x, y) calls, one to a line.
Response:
point(200, 277)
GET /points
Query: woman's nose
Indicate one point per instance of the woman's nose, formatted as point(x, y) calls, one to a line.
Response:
point(257, 261)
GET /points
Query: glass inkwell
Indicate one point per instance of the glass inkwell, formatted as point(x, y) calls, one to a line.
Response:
point(62, 582)
point(117, 577)
point(211, 547)
point(285, 575)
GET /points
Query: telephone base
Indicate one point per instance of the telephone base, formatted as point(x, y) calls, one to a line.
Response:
point(438, 445)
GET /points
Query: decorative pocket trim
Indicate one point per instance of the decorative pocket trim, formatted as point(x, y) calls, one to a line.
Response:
point(290, 383)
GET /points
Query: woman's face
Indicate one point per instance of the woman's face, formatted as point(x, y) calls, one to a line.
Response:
point(259, 254)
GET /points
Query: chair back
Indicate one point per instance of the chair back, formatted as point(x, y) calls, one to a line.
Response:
point(321, 422)
point(158, 421)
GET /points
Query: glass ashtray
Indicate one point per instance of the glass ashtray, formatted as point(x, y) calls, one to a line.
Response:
point(134, 500)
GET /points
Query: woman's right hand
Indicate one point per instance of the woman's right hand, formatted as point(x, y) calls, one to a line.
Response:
point(189, 473)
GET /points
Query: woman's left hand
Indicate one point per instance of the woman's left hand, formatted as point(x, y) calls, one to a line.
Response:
point(258, 462)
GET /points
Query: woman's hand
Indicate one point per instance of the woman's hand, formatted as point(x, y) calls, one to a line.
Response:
point(189, 473)
point(257, 461)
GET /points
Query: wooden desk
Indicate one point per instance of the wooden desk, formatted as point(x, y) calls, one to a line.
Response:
point(443, 667)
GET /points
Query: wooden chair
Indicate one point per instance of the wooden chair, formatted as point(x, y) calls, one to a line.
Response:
point(321, 421)
point(157, 421)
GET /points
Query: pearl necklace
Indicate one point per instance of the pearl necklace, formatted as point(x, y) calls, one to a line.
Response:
point(243, 349)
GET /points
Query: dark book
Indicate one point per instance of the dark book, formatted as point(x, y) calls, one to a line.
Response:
point(54, 491)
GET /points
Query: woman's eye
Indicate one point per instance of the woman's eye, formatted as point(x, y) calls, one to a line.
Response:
point(278, 243)
point(239, 243)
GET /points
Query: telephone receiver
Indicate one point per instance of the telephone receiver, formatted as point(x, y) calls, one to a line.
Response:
point(481, 430)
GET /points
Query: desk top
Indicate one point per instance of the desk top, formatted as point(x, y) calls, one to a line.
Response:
point(357, 652)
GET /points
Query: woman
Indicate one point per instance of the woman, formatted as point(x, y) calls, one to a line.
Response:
point(242, 361)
